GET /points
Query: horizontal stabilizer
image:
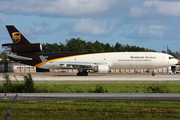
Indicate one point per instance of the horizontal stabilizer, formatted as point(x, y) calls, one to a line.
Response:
point(19, 57)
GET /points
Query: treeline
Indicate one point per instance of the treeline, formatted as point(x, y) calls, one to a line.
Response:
point(79, 45)
point(174, 54)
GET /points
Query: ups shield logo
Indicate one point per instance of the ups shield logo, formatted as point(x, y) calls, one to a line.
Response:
point(16, 37)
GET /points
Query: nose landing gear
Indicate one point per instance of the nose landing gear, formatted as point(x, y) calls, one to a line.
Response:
point(153, 74)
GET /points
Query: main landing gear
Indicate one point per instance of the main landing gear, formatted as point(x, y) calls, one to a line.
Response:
point(153, 74)
point(83, 73)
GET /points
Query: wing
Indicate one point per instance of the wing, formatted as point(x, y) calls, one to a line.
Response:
point(76, 65)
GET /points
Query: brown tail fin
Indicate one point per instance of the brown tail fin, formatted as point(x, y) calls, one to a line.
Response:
point(20, 43)
point(16, 36)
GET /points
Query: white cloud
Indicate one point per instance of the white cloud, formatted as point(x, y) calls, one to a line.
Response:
point(93, 27)
point(3, 17)
point(56, 7)
point(27, 32)
point(136, 12)
point(73, 7)
point(157, 31)
point(152, 30)
point(163, 7)
point(40, 29)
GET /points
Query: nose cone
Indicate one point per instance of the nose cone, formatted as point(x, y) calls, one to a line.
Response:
point(175, 61)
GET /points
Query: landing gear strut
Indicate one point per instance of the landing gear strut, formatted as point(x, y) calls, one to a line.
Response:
point(83, 73)
point(153, 74)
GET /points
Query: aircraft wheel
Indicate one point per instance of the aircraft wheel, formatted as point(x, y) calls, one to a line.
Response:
point(78, 74)
point(153, 74)
point(84, 73)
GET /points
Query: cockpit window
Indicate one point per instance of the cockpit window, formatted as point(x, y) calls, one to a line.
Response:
point(171, 58)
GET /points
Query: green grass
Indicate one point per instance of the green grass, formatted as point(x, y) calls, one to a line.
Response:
point(97, 109)
point(24, 87)
point(109, 87)
point(28, 86)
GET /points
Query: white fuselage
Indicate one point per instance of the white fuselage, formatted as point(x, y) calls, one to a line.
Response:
point(118, 60)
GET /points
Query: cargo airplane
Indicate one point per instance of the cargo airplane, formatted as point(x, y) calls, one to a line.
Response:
point(102, 62)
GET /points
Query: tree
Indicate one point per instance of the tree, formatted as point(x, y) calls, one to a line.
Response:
point(62, 47)
point(79, 45)
point(50, 47)
point(122, 49)
point(90, 47)
point(142, 49)
point(163, 51)
point(76, 45)
point(149, 50)
point(55, 47)
point(3, 55)
point(127, 47)
point(178, 55)
point(171, 53)
point(107, 47)
point(133, 48)
point(117, 47)
point(98, 47)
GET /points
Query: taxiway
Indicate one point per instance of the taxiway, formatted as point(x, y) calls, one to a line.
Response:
point(92, 96)
point(95, 77)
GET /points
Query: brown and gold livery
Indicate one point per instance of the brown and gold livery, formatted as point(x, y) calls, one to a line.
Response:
point(24, 48)
point(20, 43)
point(16, 37)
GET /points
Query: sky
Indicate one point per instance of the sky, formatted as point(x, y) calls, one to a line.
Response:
point(152, 24)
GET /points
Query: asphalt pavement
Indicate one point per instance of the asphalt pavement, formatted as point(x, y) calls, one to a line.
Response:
point(92, 96)
point(95, 77)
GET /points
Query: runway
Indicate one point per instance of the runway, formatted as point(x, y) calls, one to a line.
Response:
point(95, 77)
point(92, 96)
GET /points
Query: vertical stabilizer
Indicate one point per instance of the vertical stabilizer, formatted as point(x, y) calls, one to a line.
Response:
point(16, 36)
point(20, 43)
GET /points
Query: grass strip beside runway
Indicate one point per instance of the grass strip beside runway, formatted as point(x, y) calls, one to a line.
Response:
point(98, 87)
point(51, 110)
point(119, 87)
point(28, 86)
